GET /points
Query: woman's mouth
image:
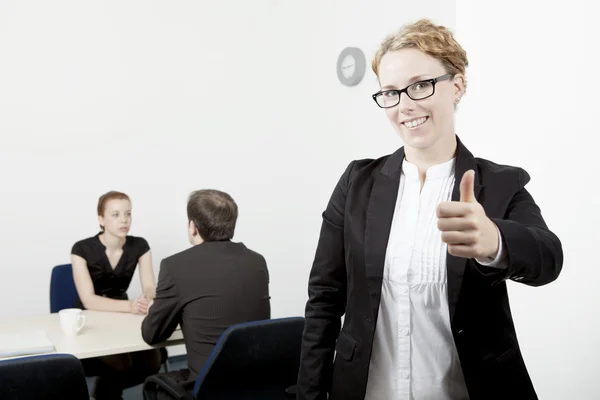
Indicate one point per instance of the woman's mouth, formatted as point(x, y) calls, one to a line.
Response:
point(415, 122)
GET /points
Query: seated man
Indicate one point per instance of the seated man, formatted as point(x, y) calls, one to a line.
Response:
point(207, 288)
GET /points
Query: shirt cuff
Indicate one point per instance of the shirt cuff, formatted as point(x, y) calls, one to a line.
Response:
point(500, 260)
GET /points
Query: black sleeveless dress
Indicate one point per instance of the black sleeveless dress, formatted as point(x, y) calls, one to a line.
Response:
point(119, 371)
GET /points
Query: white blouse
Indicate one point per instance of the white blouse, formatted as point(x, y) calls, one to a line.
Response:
point(414, 356)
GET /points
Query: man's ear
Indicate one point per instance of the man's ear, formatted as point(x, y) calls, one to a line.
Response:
point(192, 228)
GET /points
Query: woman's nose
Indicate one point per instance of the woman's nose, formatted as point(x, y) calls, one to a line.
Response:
point(406, 104)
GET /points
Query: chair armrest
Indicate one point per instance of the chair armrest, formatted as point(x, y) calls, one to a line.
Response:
point(291, 391)
point(166, 383)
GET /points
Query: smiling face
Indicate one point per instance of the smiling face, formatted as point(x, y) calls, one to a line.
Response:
point(426, 124)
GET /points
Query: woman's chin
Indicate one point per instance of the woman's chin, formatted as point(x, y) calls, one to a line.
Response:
point(120, 233)
point(417, 139)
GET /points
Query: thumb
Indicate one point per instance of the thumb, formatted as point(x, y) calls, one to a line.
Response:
point(467, 193)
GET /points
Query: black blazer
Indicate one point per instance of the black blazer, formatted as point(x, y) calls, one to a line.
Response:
point(347, 273)
point(206, 289)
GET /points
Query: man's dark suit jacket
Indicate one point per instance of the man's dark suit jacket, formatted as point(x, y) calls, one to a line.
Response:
point(347, 272)
point(206, 289)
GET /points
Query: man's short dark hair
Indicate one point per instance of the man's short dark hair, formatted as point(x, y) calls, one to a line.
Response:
point(214, 213)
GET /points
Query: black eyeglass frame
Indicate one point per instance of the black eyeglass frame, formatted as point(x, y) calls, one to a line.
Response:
point(433, 81)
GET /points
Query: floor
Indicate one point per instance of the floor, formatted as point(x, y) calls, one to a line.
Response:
point(135, 393)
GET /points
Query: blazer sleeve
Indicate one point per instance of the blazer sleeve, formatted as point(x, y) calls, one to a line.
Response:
point(534, 253)
point(327, 299)
point(164, 314)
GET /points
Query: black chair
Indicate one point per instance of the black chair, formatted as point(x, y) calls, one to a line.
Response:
point(253, 360)
point(46, 377)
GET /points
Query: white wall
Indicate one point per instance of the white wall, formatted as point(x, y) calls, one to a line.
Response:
point(533, 90)
point(159, 98)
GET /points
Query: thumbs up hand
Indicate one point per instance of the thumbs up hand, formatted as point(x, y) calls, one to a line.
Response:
point(465, 227)
point(467, 187)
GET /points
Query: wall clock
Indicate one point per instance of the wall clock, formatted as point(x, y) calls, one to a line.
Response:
point(351, 66)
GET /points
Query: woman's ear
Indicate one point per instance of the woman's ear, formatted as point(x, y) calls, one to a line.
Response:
point(101, 222)
point(460, 86)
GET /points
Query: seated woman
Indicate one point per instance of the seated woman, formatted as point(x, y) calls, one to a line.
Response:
point(103, 266)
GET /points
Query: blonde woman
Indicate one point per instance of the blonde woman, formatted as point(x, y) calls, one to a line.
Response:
point(416, 247)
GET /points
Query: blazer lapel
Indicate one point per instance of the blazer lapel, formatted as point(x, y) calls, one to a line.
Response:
point(380, 212)
point(456, 265)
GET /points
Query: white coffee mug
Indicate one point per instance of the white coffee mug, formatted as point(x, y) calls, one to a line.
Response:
point(71, 321)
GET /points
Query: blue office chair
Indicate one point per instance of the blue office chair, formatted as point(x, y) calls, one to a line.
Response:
point(63, 294)
point(47, 377)
point(253, 360)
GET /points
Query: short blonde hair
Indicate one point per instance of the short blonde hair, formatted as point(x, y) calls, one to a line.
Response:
point(434, 40)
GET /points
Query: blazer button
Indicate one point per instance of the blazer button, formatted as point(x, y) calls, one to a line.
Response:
point(368, 319)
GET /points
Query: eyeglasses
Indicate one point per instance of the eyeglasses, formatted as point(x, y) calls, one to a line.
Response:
point(416, 91)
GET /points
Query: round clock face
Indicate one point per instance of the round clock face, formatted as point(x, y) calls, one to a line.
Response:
point(351, 66)
point(348, 66)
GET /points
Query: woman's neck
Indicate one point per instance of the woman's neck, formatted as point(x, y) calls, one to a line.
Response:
point(443, 150)
point(111, 242)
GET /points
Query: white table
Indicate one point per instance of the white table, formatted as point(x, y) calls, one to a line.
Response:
point(104, 333)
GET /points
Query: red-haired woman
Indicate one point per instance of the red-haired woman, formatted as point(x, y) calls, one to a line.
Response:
point(103, 266)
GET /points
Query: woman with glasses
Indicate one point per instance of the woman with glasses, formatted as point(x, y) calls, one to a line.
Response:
point(416, 247)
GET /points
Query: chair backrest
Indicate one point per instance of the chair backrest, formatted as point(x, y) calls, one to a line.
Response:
point(47, 377)
point(257, 359)
point(63, 293)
